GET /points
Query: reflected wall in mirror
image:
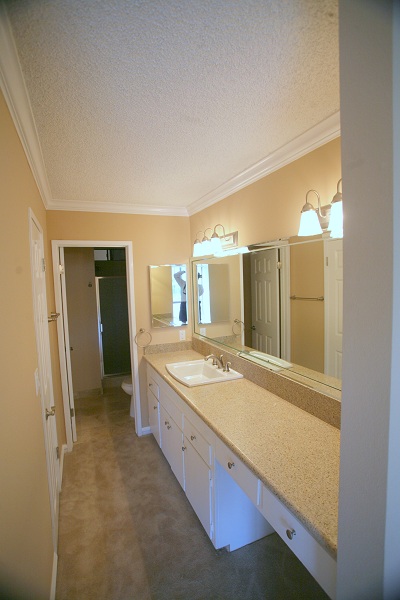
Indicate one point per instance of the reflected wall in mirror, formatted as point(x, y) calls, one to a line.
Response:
point(168, 295)
point(285, 302)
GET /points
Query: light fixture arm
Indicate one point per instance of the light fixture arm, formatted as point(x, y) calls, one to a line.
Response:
point(215, 234)
point(205, 238)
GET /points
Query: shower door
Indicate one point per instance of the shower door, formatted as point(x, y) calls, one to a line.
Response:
point(112, 307)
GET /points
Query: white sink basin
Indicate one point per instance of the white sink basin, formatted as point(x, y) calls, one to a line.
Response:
point(199, 372)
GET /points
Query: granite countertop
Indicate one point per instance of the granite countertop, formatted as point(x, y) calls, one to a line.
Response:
point(295, 454)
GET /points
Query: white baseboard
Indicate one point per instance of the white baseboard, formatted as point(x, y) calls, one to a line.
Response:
point(145, 431)
point(54, 577)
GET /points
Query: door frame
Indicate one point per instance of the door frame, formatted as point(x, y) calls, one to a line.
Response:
point(135, 409)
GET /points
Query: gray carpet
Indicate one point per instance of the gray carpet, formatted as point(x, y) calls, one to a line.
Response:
point(127, 531)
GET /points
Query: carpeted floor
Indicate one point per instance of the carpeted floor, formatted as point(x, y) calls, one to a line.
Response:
point(127, 531)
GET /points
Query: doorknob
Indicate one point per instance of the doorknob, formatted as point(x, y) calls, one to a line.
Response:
point(50, 413)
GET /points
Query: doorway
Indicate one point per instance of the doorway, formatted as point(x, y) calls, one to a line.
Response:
point(58, 247)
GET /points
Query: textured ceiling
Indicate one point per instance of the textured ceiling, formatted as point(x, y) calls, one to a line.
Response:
point(158, 102)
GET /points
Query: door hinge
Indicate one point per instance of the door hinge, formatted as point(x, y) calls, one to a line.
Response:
point(327, 261)
point(58, 453)
point(279, 265)
point(61, 269)
point(43, 265)
point(72, 412)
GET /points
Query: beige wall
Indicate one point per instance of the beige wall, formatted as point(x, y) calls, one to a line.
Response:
point(26, 551)
point(155, 240)
point(82, 319)
point(270, 208)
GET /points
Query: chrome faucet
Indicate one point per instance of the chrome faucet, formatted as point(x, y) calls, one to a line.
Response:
point(218, 361)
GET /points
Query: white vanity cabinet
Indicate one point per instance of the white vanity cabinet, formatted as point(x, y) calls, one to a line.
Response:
point(153, 394)
point(198, 474)
point(237, 494)
point(233, 505)
point(172, 436)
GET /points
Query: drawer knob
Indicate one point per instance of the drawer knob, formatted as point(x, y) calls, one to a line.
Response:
point(192, 437)
point(231, 465)
point(290, 533)
point(166, 423)
point(155, 407)
point(183, 448)
point(168, 426)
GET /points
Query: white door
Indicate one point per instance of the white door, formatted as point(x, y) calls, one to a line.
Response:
point(43, 374)
point(65, 366)
point(333, 293)
point(265, 301)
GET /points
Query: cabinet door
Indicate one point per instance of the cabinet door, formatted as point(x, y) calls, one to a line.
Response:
point(172, 444)
point(198, 486)
point(154, 416)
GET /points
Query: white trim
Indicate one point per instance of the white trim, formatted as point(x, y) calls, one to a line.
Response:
point(15, 93)
point(119, 207)
point(54, 577)
point(135, 410)
point(146, 430)
point(312, 139)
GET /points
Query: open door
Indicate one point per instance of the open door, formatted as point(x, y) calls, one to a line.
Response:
point(63, 340)
point(43, 374)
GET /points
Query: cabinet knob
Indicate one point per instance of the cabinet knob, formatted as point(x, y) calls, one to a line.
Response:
point(183, 448)
point(166, 423)
point(155, 407)
point(168, 426)
point(192, 437)
point(290, 533)
point(231, 465)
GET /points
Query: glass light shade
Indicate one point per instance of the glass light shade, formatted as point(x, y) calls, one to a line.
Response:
point(206, 247)
point(309, 224)
point(197, 249)
point(216, 245)
point(336, 220)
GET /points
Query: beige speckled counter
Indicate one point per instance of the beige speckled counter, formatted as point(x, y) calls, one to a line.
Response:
point(293, 453)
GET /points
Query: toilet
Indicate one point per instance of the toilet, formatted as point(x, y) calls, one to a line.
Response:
point(127, 385)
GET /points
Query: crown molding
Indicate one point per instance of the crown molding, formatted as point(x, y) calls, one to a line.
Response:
point(317, 136)
point(120, 208)
point(13, 87)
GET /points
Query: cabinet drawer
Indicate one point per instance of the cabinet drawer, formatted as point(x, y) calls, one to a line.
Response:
point(152, 385)
point(194, 436)
point(238, 471)
point(172, 408)
point(313, 556)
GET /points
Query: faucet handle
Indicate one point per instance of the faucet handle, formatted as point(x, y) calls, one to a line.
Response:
point(226, 367)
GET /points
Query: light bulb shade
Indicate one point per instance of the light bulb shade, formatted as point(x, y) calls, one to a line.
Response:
point(336, 220)
point(197, 249)
point(206, 247)
point(216, 245)
point(309, 223)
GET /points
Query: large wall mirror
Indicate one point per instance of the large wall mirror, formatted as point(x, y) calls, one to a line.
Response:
point(280, 305)
point(168, 295)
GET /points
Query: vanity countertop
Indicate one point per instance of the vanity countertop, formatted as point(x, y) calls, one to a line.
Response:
point(295, 454)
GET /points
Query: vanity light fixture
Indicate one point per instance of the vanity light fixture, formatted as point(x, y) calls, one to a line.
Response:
point(336, 217)
point(212, 245)
point(313, 221)
point(309, 218)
